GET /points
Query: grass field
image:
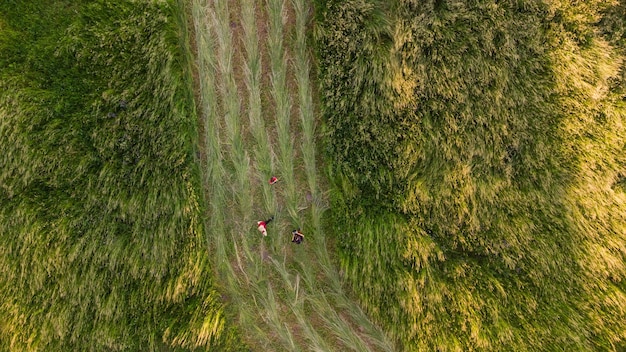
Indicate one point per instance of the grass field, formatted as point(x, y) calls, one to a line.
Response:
point(478, 153)
point(258, 118)
point(105, 244)
point(457, 168)
point(101, 234)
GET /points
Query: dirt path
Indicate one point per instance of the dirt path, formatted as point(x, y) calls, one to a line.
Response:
point(254, 96)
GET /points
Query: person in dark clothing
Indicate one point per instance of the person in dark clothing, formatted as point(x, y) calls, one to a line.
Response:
point(297, 236)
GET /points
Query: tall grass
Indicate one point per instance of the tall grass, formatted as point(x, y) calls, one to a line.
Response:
point(102, 239)
point(232, 107)
point(253, 70)
point(475, 160)
point(282, 100)
point(243, 271)
point(215, 173)
point(305, 101)
point(308, 148)
point(258, 273)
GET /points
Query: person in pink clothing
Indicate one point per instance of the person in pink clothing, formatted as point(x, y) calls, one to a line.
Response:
point(262, 225)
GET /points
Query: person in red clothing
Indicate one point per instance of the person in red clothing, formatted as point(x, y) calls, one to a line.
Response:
point(262, 225)
point(273, 180)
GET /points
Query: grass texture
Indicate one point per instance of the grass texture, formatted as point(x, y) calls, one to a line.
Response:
point(254, 82)
point(101, 230)
point(477, 153)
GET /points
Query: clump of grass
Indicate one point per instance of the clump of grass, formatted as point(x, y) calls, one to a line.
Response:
point(305, 102)
point(263, 150)
point(231, 104)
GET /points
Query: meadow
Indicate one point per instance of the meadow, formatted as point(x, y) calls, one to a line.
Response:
point(457, 167)
point(138, 139)
point(477, 169)
point(257, 118)
point(102, 244)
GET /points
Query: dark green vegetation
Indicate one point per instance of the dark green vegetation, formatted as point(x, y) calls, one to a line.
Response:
point(101, 235)
point(479, 165)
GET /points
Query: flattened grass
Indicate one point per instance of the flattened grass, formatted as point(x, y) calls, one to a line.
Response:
point(274, 299)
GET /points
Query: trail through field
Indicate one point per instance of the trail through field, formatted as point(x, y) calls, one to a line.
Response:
point(258, 121)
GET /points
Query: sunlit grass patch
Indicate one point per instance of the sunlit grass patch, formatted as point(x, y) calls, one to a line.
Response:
point(466, 140)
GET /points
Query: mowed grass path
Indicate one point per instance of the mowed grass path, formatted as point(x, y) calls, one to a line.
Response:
point(258, 121)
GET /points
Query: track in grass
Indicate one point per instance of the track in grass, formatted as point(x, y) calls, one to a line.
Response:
point(258, 118)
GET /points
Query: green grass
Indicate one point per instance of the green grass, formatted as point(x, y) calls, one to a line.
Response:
point(276, 10)
point(275, 286)
point(475, 155)
point(101, 220)
point(476, 149)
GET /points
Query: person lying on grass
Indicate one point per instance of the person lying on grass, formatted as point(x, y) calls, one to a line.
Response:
point(261, 225)
point(297, 236)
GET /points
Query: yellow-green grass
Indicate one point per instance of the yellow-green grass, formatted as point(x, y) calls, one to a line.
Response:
point(101, 231)
point(477, 152)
